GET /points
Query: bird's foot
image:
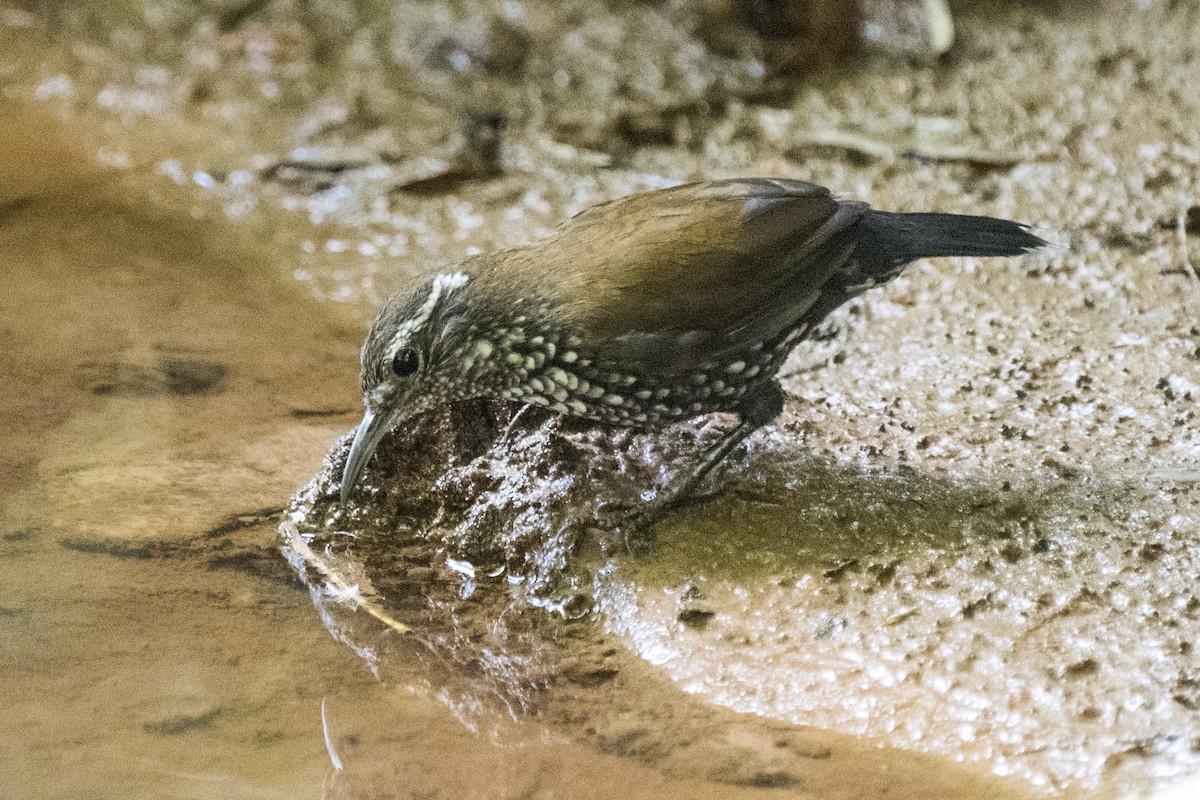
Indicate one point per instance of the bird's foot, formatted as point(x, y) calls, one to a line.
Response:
point(629, 525)
point(636, 525)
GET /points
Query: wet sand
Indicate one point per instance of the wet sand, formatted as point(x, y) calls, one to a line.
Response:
point(971, 538)
point(155, 641)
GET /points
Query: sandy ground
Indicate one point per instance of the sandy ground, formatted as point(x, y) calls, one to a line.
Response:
point(155, 640)
point(971, 538)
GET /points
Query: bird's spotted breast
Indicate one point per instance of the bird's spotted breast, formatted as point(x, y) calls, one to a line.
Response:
point(569, 382)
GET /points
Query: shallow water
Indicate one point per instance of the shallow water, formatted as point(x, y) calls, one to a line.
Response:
point(155, 639)
point(971, 538)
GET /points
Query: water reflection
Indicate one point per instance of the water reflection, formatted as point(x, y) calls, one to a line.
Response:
point(895, 604)
point(152, 639)
point(466, 536)
point(501, 625)
point(165, 388)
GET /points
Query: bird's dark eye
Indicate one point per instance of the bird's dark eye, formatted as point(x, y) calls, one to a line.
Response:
point(405, 362)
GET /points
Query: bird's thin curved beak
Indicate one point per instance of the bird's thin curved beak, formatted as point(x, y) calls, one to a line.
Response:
point(366, 439)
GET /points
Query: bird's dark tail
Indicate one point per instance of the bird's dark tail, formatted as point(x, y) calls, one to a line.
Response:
point(887, 241)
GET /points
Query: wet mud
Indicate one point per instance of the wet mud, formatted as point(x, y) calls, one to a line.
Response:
point(157, 640)
point(961, 563)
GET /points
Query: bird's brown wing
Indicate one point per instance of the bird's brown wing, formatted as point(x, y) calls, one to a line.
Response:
point(674, 278)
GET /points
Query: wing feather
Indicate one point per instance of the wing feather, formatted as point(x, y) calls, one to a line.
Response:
point(673, 278)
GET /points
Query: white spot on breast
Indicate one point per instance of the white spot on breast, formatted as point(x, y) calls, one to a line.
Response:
point(595, 392)
point(560, 395)
point(483, 349)
point(569, 357)
point(566, 379)
point(736, 367)
point(537, 385)
point(662, 393)
point(614, 399)
point(644, 394)
point(578, 406)
point(560, 408)
point(514, 358)
point(750, 373)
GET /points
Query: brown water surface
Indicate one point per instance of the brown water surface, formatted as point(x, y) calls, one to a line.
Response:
point(165, 390)
point(961, 564)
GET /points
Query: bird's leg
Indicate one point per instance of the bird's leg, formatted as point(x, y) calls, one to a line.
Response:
point(758, 408)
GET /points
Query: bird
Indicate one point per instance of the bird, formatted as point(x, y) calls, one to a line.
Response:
point(650, 309)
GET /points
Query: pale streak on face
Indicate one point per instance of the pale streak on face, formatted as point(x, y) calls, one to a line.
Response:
point(378, 418)
point(443, 284)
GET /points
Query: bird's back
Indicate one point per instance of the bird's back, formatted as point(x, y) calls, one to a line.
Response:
point(679, 278)
point(671, 278)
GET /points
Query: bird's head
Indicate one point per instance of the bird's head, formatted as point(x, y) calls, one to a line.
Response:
point(415, 358)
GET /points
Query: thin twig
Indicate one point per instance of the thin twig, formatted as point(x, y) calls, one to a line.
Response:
point(341, 589)
point(333, 756)
point(1181, 232)
point(897, 145)
point(798, 371)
